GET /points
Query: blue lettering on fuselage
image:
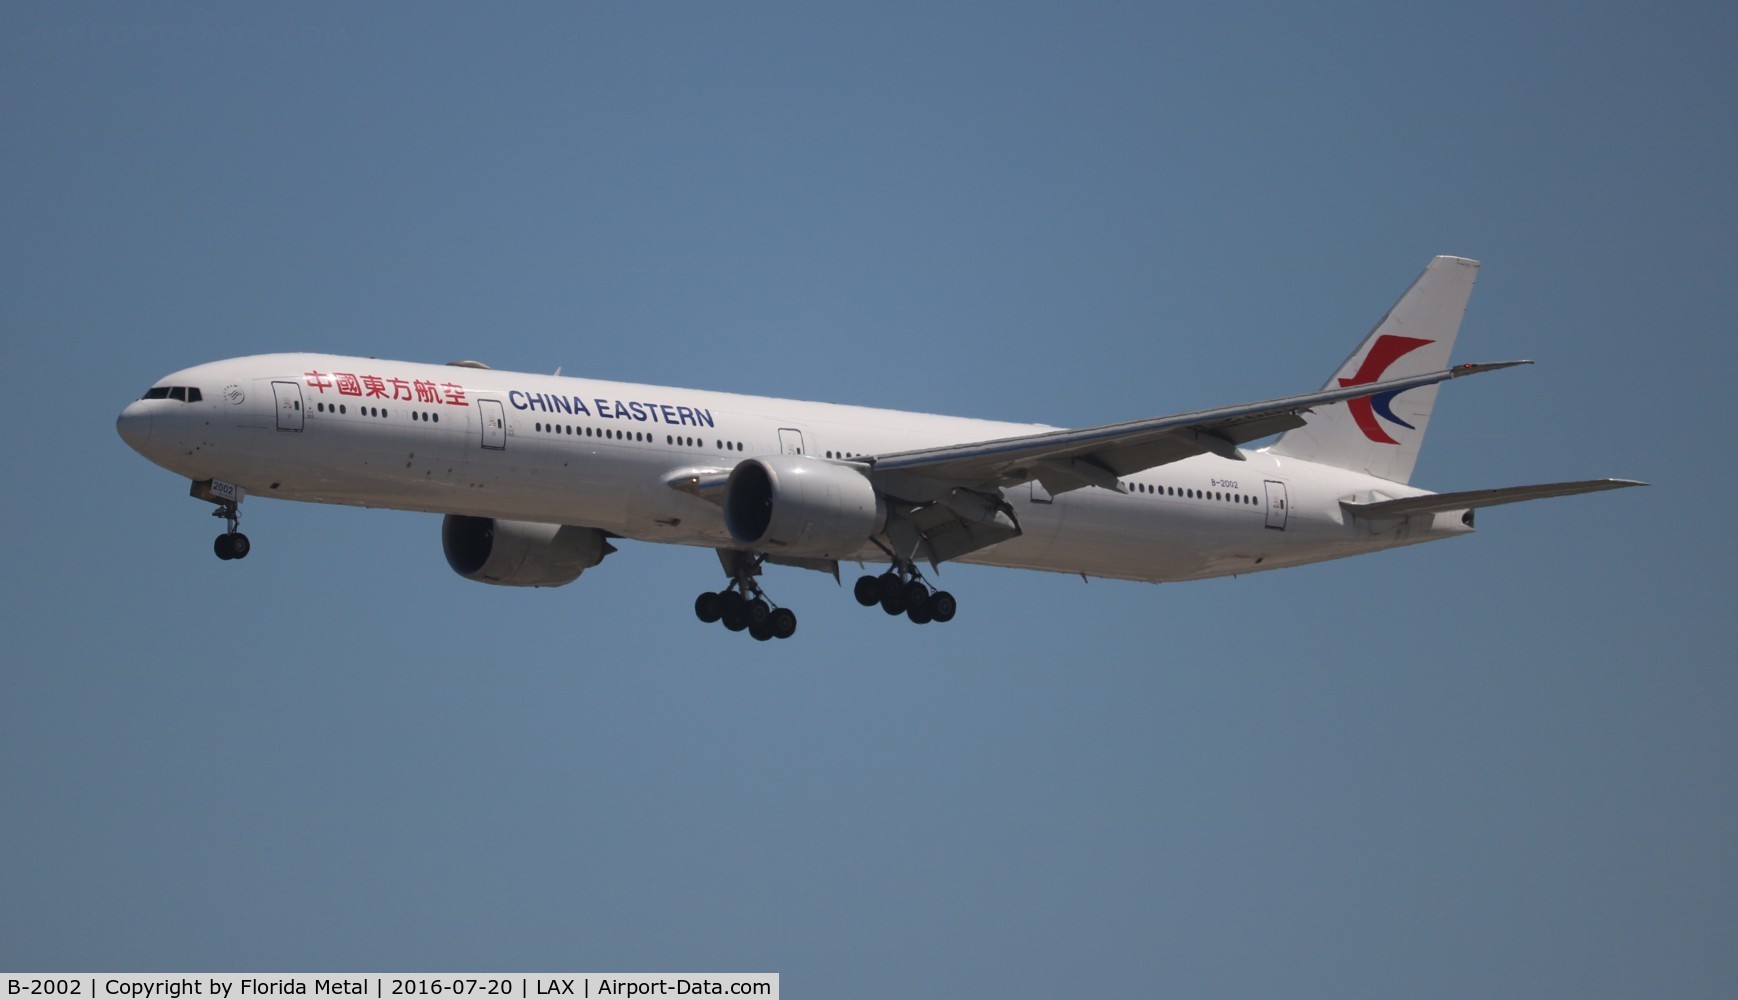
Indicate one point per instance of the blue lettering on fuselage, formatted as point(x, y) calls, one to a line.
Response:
point(545, 402)
point(612, 409)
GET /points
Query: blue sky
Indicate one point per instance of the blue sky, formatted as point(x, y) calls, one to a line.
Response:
point(1499, 766)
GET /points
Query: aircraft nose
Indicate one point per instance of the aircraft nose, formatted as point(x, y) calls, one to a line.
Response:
point(134, 425)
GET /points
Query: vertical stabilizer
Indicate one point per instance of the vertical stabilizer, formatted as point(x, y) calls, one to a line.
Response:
point(1381, 434)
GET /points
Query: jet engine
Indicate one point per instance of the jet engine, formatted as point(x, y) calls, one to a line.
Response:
point(520, 553)
point(800, 506)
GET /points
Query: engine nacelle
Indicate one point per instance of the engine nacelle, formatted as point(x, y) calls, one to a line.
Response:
point(800, 506)
point(520, 553)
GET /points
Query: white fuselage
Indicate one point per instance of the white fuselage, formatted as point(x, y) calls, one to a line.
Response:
point(508, 445)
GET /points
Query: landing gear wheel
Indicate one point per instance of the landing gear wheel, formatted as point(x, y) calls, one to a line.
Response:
point(916, 594)
point(894, 605)
point(239, 546)
point(942, 606)
point(919, 614)
point(761, 630)
point(891, 586)
point(224, 547)
point(783, 623)
point(736, 618)
point(867, 591)
point(758, 612)
point(708, 607)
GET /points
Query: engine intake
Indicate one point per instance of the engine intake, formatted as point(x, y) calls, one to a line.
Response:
point(520, 553)
point(801, 506)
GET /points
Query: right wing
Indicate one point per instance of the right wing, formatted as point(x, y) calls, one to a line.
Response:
point(1097, 456)
point(946, 501)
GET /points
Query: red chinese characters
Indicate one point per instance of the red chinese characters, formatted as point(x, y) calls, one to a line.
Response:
point(419, 390)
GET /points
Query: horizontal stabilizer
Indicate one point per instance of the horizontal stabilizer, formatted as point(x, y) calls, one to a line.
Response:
point(1436, 503)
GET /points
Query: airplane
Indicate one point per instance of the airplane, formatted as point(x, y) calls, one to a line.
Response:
point(536, 474)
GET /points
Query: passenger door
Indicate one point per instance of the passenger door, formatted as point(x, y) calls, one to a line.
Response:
point(1276, 505)
point(289, 401)
point(494, 423)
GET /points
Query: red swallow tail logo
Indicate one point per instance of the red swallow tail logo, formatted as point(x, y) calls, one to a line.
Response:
point(1387, 350)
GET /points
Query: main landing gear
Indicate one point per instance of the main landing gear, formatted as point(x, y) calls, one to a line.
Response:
point(903, 591)
point(743, 605)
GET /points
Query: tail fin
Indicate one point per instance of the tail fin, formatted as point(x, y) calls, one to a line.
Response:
point(1381, 435)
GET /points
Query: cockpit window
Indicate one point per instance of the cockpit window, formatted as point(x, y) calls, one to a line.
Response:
point(179, 393)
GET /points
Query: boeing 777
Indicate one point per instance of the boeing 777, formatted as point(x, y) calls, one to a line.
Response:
point(536, 474)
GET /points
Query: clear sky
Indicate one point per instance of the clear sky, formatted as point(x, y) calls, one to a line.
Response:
point(1497, 766)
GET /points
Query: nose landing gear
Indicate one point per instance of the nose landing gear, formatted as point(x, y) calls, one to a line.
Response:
point(232, 544)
